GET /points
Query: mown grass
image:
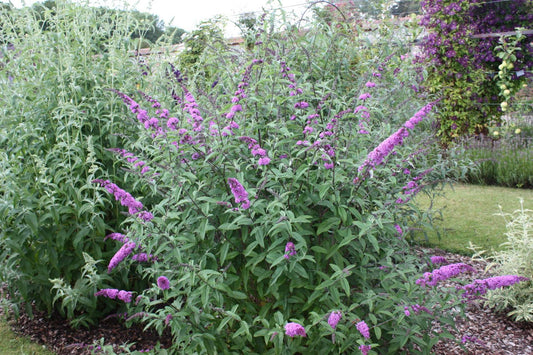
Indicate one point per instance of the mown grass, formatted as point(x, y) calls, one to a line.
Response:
point(12, 344)
point(469, 215)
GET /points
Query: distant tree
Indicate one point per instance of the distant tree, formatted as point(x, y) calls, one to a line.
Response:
point(175, 34)
point(247, 23)
point(208, 33)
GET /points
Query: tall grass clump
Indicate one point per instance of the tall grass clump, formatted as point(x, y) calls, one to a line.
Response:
point(57, 119)
point(275, 198)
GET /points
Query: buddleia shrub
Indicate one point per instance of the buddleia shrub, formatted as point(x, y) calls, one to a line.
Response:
point(275, 199)
point(57, 118)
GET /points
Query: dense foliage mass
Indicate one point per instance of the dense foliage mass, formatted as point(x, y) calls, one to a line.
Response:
point(464, 67)
point(257, 205)
point(57, 119)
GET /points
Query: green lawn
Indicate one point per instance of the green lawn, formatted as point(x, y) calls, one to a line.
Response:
point(468, 213)
point(11, 344)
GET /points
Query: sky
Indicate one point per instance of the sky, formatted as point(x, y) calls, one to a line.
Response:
point(187, 14)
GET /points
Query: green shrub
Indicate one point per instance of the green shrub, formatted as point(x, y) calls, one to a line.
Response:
point(57, 117)
point(274, 223)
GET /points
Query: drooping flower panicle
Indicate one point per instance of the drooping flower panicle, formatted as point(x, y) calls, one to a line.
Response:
point(125, 199)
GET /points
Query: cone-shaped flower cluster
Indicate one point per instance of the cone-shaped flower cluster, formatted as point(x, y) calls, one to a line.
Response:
point(480, 287)
point(113, 293)
point(239, 193)
point(443, 273)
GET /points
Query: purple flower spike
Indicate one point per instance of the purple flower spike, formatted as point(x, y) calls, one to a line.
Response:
point(443, 273)
point(239, 193)
point(365, 349)
point(263, 161)
point(292, 329)
point(365, 96)
point(480, 287)
point(362, 327)
point(290, 250)
point(120, 255)
point(334, 318)
point(163, 283)
point(419, 116)
point(118, 237)
point(113, 293)
point(438, 260)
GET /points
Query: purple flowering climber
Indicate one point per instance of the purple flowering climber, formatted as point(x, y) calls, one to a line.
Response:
point(120, 255)
point(334, 318)
point(362, 327)
point(292, 329)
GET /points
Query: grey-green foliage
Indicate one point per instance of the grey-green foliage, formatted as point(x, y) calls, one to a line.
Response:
point(56, 116)
point(515, 259)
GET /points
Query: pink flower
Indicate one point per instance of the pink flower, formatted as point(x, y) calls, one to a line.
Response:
point(290, 250)
point(263, 161)
point(113, 293)
point(334, 318)
point(163, 283)
point(120, 255)
point(365, 96)
point(239, 193)
point(292, 329)
point(443, 273)
point(365, 349)
point(438, 260)
point(480, 287)
point(362, 327)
